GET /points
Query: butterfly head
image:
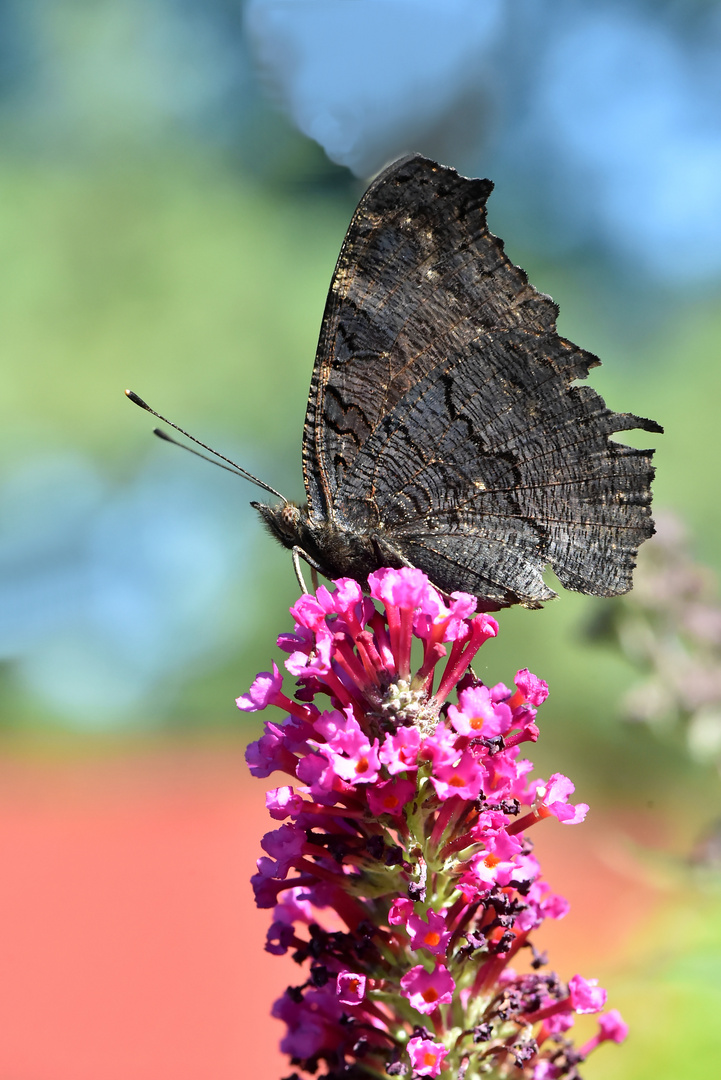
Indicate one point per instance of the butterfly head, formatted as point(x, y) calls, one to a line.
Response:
point(284, 520)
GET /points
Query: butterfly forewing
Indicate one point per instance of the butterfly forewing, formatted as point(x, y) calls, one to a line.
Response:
point(416, 260)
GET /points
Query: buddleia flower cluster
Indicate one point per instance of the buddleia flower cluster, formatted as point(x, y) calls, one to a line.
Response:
point(402, 877)
point(669, 627)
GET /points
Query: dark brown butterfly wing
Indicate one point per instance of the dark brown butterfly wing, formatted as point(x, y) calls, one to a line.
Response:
point(442, 416)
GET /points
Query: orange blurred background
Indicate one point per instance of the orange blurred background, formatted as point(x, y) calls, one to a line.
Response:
point(130, 944)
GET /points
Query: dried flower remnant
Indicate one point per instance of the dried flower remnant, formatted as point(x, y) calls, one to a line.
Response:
point(406, 823)
point(669, 627)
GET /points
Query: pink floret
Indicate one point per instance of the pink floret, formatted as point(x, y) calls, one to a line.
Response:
point(440, 747)
point(399, 752)
point(264, 689)
point(404, 588)
point(283, 802)
point(426, 990)
point(285, 845)
point(390, 796)
point(479, 715)
point(315, 661)
point(534, 690)
point(426, 1056)
point(431, 934)
point(554, 799)
point(350, 987)
point(586, 995)
point(400, 911)
point(465, 778)
point(613, 1026)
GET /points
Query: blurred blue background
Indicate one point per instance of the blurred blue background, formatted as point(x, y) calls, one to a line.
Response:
point(176, 178)
point(175, 182)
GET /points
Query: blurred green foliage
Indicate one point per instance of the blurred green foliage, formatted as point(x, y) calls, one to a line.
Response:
point(670, 995)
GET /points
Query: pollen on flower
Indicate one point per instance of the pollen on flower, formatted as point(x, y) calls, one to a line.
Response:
point(405, 824)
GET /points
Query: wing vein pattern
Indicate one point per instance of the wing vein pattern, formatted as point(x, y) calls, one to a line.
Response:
point(444, 415)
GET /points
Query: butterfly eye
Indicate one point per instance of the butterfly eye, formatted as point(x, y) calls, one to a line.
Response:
point(290, 515)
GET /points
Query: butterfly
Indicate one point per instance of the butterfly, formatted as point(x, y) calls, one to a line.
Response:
point(445, 429)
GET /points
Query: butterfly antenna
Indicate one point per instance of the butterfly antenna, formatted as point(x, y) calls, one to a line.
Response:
point(230, 465)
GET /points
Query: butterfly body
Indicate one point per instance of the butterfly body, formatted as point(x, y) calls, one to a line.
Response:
point(335, 551)
point(445, 428)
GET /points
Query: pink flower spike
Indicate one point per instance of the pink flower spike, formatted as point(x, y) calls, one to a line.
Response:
point(390, 796)
point(426, 1056)
point(431, 935)
point(350, 988)
point(585, 995)
point(263, 691)
point(399, 834)
point(426, 990)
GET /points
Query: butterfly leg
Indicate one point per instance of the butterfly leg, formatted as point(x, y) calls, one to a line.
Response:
point(299, 554)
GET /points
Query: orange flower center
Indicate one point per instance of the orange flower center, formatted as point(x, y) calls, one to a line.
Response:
point(432, 938)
